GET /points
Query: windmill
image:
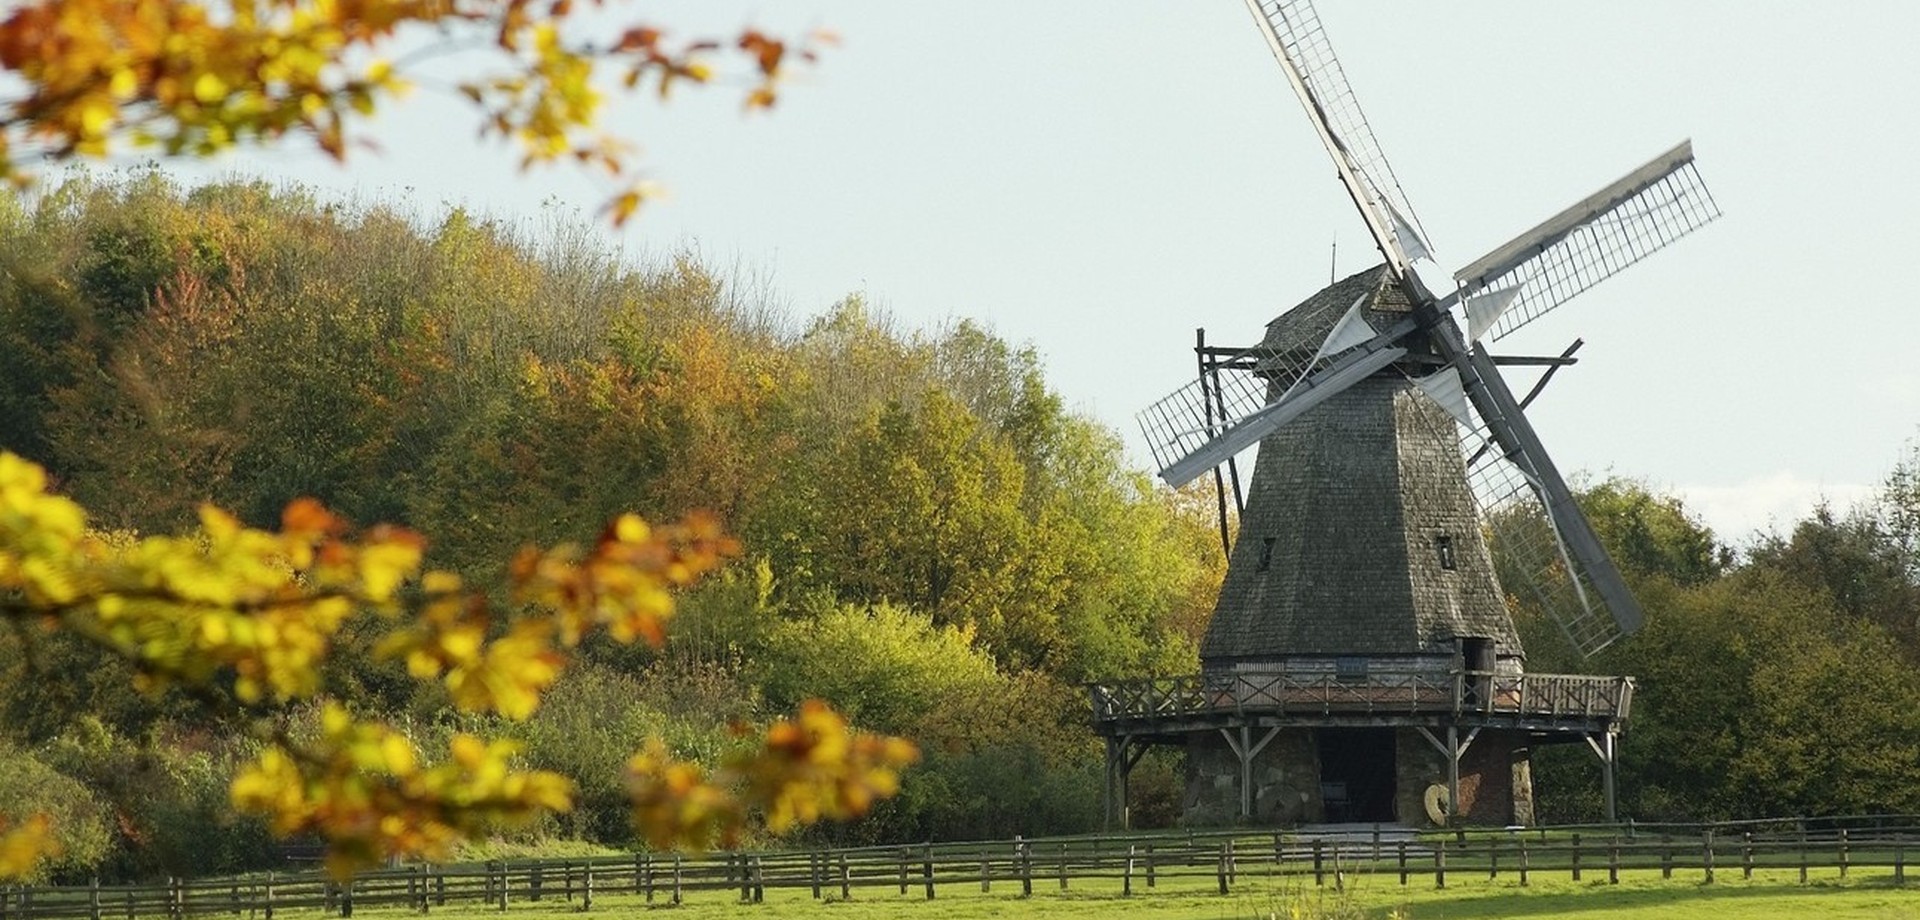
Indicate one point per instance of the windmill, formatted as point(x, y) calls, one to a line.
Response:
point(1391, 449)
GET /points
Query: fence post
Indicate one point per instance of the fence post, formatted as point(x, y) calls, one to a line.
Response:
point(815, 869)
point(506, 882)
point(586, 886)
point(1843, 852)
point(440, 887)
point(1613, 860)
point(175, 898)
point(267, 911)
point(903, 870)
point(1803, 854)
point(1279, 856)
point(1063, 867)
point(93, 899)
point(1440, 864)
point(646, 877)
point(1706, 853)
point(1576, 857)
point(1402, 856)
point(1523, 862)
point(676, 879)
point(1023, 855)
point(986, 871)
point(759, 881)
point(1221, 871)
point(566, 880)
point(1152, 879)
point(1666, 856)
point(1319, 873)
point(534, 882)
point(1746, 855)
point(745, 879)
point(1493, 858)
point(346, 899)
point(846, 880)
point(1126, 875)
point(926, 870)
point(1899, 859)
point(1339, 875)
point(641, 864)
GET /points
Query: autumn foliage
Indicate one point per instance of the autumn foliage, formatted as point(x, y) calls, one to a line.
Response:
point(199, 76)
point(245, 619)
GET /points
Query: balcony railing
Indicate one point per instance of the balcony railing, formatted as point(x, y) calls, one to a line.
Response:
point(1549, 697)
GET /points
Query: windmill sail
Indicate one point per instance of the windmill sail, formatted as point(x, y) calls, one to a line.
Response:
point(1293, 31)
point(1586, 244)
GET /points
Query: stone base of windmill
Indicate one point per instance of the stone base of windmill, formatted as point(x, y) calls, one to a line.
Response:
point(1357, 775)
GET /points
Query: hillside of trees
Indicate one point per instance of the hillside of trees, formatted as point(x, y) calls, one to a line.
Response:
point(932, 541)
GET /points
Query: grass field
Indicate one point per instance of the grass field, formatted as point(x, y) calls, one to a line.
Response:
point(1641, 895)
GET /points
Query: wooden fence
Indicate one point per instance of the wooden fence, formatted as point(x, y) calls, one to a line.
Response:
point(1119, 864)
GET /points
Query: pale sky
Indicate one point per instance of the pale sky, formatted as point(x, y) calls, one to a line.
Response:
point(1099, 179)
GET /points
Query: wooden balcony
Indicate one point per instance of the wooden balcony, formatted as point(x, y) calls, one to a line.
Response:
point(1548, 703)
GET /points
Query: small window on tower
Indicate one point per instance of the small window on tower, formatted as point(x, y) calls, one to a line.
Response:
point(1443, 547)
point(1266, 553)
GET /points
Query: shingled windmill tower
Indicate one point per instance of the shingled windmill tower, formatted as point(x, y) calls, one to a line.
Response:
point(1362, 662)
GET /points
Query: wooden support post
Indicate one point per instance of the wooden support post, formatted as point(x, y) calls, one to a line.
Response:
point(1613, 860)
point(1576, 857)
point(346, 899)
point(1666, 856)
point(439, 887)
point(1746, 855)
point(1706, 854)
point(1402, 856)
point(586, 886)
point(1063, 867)
point(1151, 880)
point(1319, 873)
point(643, 875)
point(1523, 862)
point(814, 871)
point(93, 899)
point(1126, 874)
point(846, 879)
point(759, 881)
point(1233, 864)
point(1221, 871)
point(904, 852)
point(505, 883)
point(536, 880)
point(1339, 875)
point(676, 879)
point(745, 878)
point(1453, 771)
point(1493, 858)
point(1440, 864)
point(1900, 860)
point(986, 873)
point(1843, 852)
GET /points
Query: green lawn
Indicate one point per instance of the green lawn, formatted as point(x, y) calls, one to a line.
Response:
point(1641, 895)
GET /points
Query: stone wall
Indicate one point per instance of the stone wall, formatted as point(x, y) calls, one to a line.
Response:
point(1496, 780)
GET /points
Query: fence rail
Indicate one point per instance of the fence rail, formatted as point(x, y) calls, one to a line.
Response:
point(1697, 853)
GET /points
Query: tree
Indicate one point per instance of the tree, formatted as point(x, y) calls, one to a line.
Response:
point(199, 76)
point(244, 619)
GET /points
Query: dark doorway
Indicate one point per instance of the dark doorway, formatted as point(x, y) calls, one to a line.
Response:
point(1356, 773)
point(1476, 655)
